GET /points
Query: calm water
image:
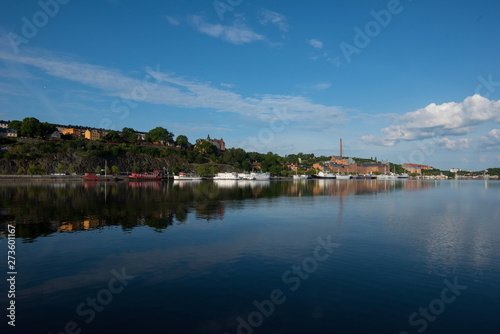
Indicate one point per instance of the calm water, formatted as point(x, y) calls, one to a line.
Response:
point(254, 257)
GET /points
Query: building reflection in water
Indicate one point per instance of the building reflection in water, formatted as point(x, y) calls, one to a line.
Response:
point(42, 209)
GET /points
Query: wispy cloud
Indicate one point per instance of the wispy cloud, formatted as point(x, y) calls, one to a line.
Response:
point(174, 90)
point(172, 20)
point(459, 144)
point(317, 44)
point(447, 119)
point(269, 17)
point(226, 85)
point(491, 141)
point(322, 86)
point(238, 33)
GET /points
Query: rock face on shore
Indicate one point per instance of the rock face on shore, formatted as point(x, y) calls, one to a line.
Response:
point(81, 164)
point(48, 158)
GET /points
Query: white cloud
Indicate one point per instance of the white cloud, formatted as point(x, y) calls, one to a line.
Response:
point(317, 44)
point(491, 141)
point(447, 119)
point(322, 86)
point(370, 139)
point(226, 85)
point(238, 33)
point(170, 89)
point(459, 144)
point(172, 20)
point(267, 16)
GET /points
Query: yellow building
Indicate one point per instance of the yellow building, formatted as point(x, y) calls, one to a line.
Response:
point(77, 133)
point(92, 134)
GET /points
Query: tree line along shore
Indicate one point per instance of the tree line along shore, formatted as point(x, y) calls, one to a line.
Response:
point(124, 152)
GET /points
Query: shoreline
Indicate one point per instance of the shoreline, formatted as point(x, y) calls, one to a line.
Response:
point(79, 178)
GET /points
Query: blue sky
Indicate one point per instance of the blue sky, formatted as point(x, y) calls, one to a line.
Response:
point(409, 81)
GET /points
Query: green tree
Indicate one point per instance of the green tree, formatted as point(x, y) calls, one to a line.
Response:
point(36, 170)
point(129, 135)
point(182, 141)
point(16, 125)
point(201, 170)
point(30, 127)
point(108, 170)
point(98, 170)
point(112, 136)
point(115, 170)
point(71, 169)
point(213, 170)
point(60, 168)
point(44, 129)
point(206, 148)
point(160, 135)
point(20, 171)
point(276, 169)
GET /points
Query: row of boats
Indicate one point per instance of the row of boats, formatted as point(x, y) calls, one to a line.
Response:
point(326, 175)
point(159, 175)
point(257, 176)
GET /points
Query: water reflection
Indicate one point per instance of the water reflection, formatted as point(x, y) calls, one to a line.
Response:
point(43, 209)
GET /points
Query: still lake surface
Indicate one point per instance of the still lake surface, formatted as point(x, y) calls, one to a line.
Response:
point(312, 256)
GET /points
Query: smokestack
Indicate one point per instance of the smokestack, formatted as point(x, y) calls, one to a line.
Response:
point(340, 147)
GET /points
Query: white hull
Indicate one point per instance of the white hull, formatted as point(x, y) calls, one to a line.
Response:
point(261, 176)
point(301, 177)
point(186, 177)
point(343, 177)
point(387, 177)
point(226, 176)
point(246, 176)
point(323, 175)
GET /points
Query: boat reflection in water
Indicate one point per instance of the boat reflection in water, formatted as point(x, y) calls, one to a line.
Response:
point(91, 205)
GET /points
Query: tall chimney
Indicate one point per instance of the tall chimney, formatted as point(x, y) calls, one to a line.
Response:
point(340, 147)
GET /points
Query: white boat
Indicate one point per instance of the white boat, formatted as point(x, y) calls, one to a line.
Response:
point(261, 176)
point(325, 175)
point(301, 177)
point(246, 176)
point(226, 176)
point(186, 176)
point(387, 177)
point(343, 177)
point(403, 176)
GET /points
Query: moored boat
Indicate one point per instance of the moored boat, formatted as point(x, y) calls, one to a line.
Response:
point(261, 176)
point(325, 175)
point(95, 177)
point(226, 176)
point(246, 176)
point(343, 177)
point(155, 176)
point(187, 176)
point(301, 177)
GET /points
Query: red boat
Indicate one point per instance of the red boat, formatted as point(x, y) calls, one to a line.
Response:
point(156, 175)
point(90, 177)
